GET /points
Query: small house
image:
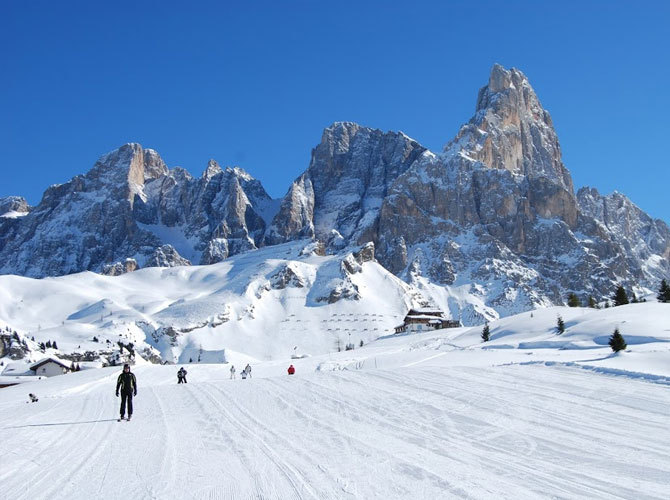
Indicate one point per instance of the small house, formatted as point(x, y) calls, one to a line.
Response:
point(423, 320)
point(50, 367)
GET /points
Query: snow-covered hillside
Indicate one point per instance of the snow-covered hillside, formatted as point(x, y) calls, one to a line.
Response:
point(269, 304)
point(530, 414)
point(259, 305)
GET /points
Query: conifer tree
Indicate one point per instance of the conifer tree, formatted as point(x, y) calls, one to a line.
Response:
point(620, 296)
point(486, 333)
point(617, 342)
point(592, 302)
point(48, 344)
point(573, 300)
point(53, 344)
point(664, 292)
point(560, 325)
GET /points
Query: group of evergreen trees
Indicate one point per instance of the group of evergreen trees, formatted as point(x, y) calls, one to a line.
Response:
point(620, 297)
point(48, 345)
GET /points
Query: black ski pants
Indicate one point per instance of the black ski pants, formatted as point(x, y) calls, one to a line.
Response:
point(126, 397)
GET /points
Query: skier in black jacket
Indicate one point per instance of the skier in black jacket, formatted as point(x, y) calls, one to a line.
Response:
point(128, 385)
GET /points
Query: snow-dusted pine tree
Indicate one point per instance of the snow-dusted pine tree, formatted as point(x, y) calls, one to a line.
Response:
point(617, 342)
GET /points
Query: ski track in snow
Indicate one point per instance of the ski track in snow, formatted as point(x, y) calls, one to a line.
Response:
point(431, 431)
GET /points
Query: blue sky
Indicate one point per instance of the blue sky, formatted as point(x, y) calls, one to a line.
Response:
point(254, 83)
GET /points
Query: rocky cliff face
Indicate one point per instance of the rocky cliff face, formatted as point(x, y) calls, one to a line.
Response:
point(128, 206)
point(499, 214)
point(489, 226)
point(13, 206)
point(644, 241)
point(338, 199)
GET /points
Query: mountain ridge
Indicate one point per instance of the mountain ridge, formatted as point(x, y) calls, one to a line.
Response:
point(491, 219)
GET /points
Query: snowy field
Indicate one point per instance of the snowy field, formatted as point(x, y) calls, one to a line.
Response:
point(436, 415)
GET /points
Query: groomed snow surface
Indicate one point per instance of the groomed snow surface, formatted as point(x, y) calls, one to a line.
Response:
point(436, 415)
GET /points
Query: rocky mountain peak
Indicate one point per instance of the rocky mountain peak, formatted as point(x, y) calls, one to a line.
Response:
point(500, 79)
point(126, 168)
point(503, 81)
point(339, 197)
point(13, 205)
point(339, 135)
point(154, 166)
point(239, 173)
point(212, 169)
point(512, 131)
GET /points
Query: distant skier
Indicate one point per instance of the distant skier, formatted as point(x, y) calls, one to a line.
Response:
point(232, 372)
point(33, 398)
point(244, 374)
point(128, 385)
point(291, 370)
point(181, 376)
point(248, 370)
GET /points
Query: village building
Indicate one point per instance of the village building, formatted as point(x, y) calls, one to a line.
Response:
point(423, 320)
point(50, 367)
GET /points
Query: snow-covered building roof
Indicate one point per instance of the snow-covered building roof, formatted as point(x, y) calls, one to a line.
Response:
point(425, 312)
point(51, 359)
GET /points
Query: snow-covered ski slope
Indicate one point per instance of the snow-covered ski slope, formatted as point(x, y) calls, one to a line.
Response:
point(427, 416)
point(261, 304)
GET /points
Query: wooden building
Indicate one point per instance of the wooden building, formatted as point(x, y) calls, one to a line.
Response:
point(422, 320)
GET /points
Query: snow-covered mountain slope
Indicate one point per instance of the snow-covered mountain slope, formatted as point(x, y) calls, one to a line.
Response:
point(435, 415)
point(261, 303)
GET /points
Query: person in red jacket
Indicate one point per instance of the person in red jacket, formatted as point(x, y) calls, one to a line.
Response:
point(291, 370)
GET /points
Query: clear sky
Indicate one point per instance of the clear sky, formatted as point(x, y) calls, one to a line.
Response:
point(254, 83)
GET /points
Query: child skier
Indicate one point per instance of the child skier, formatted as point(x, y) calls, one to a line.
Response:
point(232, 372)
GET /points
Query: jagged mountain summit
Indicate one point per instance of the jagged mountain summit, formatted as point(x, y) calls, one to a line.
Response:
point(131, 206)
point(489, 226)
